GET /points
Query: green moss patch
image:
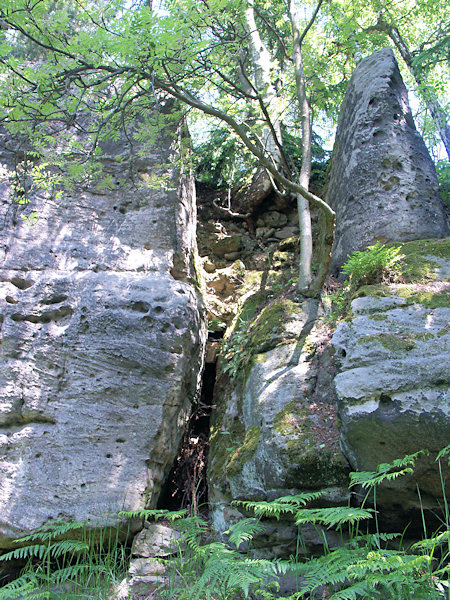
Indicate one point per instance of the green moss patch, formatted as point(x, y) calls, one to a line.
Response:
point(397, 343)
point(417, 264)
point(260, 327)
point(378, 317)
point(290, 419)
point(244, 452)
point(268, 330)
point(376, 291)
point(312, 457)
point(315, 468)
point(433, 298)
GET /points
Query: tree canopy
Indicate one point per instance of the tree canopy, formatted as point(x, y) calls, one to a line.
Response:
point(259, 67)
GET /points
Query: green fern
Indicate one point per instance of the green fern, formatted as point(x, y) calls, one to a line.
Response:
point(444, 452)
point(87, 563)
point(281, 506)
point(244, 531)
point(154, 514)
point(332, 517)
point(386, 471)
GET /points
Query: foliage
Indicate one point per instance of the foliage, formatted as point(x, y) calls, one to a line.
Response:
point(66, 561)
point(236, 350)
point(443, 174)
point(124, 65)
point(365, 565)
point(376, 264)
point(221, 161)
point(417, 30)
point(206, 568)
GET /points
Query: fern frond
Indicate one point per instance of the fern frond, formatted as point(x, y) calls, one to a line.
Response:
point(280, 506)
point(225, 572)
point(73, 572)
point(154, 513)
point(330, 569)
point(244, 531)
point(34, 551)
point(385, 561)
point(356, 591)
point(19, 588)
point(386, 471)
point(68, 547)
point(51, 530)
point(429, 544)
point(444, 452)
point(332, 517)
point(372, 540)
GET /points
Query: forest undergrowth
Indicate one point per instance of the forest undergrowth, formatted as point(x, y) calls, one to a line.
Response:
point(68, 561)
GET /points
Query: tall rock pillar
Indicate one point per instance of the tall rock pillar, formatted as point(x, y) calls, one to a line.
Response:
point(382, 183)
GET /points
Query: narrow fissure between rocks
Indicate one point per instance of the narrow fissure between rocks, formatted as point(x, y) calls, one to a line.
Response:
point(186, 485)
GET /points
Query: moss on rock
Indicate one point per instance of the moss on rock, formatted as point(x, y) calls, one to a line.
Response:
point(397, 343)
point(312, 457)
point(268, 330)
point(429, 299)
point(244, 452)
point(418, 265)
point(378, 317)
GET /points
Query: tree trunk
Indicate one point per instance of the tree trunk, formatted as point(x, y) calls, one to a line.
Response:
point(270, 137)
point(304, 212)
point(438, 114)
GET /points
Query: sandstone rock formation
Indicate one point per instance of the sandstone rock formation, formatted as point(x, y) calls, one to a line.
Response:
point(382, 182)
point(393, 384)
point(101, 343)
point(274, 431)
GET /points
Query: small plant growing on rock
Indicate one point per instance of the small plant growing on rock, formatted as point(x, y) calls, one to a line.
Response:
point(236, 350)
point(375, 264)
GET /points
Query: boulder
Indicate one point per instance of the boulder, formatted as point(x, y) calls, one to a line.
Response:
point(274, 429)
point(156, 540)
point(102, 338)
point(393, 384)
point(146, 577)
point(382, 182)
point(226, 245)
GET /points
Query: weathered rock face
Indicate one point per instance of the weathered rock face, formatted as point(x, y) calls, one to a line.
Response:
point(382, 183)
point(102, 340)
point(393, 384)
point(274, 431)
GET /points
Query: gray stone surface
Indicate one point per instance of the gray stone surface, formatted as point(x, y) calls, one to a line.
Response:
point(156, 540)
point(275, 432)
point(382, 182)
point(393, 394)
point(102, 341)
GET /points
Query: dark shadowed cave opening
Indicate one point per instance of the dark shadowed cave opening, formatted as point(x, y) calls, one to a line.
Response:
point(186, 485)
